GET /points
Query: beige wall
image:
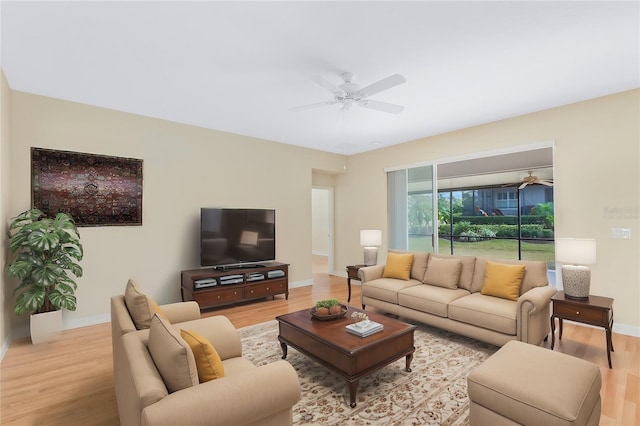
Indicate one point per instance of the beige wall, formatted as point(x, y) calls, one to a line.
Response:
point(595, 172)
point(5, 131)
point(184, 168)
point(597, 185)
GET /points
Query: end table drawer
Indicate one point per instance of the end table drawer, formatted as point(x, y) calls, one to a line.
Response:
point(583, 314)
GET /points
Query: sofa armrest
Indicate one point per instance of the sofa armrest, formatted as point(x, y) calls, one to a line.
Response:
point(533, 313)
point(219, 331)
point(181, 311)
point(370, 273)
point(243, 398)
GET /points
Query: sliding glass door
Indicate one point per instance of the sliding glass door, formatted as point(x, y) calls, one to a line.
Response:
point(412, 221)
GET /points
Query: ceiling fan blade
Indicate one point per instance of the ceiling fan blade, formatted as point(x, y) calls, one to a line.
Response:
point(381, 106)
point(545, 182)
point(329, 86)
point(319, 104)
point(523, 185)
point(384, 84)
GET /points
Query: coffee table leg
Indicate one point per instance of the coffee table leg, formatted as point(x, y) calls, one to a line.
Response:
point(408, 362)
point(353, 389)
point(284, 350)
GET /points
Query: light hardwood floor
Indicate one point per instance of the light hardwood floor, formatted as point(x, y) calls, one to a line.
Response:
point(69, 382)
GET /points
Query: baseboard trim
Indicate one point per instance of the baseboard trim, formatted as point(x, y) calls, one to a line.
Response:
point(5, 347)
point(302, 283)
point(629, 330)
point(68, 324)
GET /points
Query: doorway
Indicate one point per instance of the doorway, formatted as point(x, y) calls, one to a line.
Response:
point(322, 230)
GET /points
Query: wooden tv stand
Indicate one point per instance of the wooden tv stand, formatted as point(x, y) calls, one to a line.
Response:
point(216, 287)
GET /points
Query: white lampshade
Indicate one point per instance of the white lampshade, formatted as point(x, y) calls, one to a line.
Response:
point(370, 237)
point(576, 251)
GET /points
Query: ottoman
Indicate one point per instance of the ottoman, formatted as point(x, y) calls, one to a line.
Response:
point(529, 385)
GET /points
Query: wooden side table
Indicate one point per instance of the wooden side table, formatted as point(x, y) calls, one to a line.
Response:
point(595, 310)
point(352, 274)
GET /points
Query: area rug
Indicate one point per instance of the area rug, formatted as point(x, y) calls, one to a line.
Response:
point(433, 393)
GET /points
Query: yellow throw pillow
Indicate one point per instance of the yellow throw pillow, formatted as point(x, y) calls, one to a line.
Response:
point(398, 266)
point(208, 361)
point(155, 309)
point(502, 280)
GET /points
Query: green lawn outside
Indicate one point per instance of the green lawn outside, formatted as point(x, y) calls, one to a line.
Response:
point(500, 249)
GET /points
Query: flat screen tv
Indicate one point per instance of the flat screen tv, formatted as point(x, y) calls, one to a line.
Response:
point(237, 237)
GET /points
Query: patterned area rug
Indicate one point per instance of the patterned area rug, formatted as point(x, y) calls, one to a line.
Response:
point(434, 393)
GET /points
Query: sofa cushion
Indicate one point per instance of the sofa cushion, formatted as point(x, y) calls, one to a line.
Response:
point(171, 355)
point(398, 266)
point(420, 259)
point(430, 299)
point(535, 273)
point(502, 280)
point(141, 307)
point(208, 362)
point(386, 289)
point(468, 268)
point(443, 272)
point(487, 312)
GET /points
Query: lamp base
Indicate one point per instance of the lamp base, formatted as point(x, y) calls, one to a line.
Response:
point(370, 256)
point(576, 281)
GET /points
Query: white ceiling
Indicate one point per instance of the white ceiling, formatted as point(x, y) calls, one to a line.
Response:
point(239, 66)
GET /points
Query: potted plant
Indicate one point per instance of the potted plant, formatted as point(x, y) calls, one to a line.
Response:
point(46, 250)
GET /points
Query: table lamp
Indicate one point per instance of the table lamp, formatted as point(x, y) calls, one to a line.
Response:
point(574, 253)
point(370, 239)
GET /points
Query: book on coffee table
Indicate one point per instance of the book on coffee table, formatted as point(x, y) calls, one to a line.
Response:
point(364, 330)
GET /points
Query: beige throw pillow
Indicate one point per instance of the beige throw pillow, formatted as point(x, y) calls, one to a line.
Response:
point(141, 308)
point(443, 272)
point(172, 356)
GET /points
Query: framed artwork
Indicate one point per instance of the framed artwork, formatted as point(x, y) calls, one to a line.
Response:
point(96, 190)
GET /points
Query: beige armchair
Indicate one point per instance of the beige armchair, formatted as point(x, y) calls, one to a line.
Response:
point(246, 395)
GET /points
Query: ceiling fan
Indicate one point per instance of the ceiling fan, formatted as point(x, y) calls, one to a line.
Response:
point(531, 179)
point(349, 94)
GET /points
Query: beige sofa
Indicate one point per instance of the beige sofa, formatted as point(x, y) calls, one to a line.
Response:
point(464, 309)
point(246, 395)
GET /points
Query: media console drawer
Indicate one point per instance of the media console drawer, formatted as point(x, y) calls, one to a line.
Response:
point(248, 283)
point(266, 289)
point(219, 296)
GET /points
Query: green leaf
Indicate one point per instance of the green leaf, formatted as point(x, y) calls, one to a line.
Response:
point(43, 241)
point(48, 274)
point(30, 300)
point(75, 269)
point(63, 300)
point(20, 269)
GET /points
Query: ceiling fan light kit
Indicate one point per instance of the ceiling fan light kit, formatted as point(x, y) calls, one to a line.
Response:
point(350, 93)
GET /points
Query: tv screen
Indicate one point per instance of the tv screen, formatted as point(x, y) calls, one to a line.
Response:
point(237, 236)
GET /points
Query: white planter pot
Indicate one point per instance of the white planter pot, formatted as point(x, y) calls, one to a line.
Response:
point(46, 327)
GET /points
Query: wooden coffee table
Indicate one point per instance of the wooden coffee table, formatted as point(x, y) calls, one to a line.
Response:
point(350, 356)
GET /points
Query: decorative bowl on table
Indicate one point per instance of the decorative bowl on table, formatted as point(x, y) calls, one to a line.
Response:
point(328, 317)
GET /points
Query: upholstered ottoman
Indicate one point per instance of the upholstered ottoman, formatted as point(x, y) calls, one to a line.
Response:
point(529, 385)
